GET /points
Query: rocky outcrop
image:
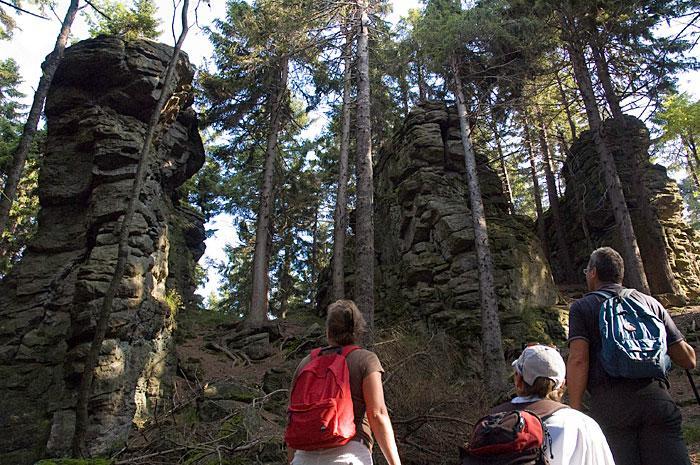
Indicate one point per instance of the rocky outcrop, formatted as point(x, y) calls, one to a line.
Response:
point(589, 220)
point(97, 110)
point(427, 266)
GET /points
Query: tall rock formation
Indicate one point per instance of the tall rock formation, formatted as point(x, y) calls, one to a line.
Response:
point(427, 266)
point(589, 219)
point(97, 111)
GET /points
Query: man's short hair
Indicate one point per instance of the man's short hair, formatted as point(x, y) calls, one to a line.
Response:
point(609, 265)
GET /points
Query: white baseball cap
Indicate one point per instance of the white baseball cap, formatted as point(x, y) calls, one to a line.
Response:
point(541, 361)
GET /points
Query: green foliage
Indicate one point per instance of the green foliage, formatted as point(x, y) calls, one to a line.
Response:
point(679, 121)
point(692, 201)
point(174, 302)
point(26, 205)
point(679, 118)
point(7, 22)
point(138, 20)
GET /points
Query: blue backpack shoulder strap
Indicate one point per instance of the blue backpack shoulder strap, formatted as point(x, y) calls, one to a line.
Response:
point(604, 294)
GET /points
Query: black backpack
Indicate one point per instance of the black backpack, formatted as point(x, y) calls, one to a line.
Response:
point(512, 434)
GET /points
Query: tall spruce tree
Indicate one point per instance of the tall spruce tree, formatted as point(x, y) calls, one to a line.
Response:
point(364, 229)
point(444, 30)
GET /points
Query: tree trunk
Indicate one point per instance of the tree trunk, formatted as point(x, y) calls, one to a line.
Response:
point(491, 342)
point(505, 179)
point(20, 156)
point(85, 389)
point(541, 232)
point(364, 235)
point(553, 195)
point(636, 277)
point(689, 141)
point(601, 66)
point(286, 274)
point(340, 220)
point(422, 87)
point(691, 169)
point(313, 266)
point(259, 296)
point(404, 91)
point(661, 278)
point(567, 106)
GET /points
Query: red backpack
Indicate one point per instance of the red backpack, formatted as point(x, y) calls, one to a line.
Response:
point(320, 413)
point(511, 436)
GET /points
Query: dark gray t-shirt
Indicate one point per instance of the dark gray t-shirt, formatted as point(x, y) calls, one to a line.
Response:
point(583, 324)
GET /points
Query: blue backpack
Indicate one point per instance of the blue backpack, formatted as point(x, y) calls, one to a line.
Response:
point(633, 338)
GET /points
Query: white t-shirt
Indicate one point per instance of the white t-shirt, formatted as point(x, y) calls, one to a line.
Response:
point(576, 438)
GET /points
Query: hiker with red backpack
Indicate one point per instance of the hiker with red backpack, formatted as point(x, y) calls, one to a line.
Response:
point(336, 400)
point(620, 342)
point(535, 428)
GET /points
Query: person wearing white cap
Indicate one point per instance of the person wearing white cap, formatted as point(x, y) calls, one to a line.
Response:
point(576, 439)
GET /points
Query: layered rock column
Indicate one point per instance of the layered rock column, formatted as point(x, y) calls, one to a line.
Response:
point(427, 265)
point(589, 220)
point(97, 110)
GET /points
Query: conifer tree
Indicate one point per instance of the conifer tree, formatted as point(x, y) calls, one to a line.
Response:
point(340, 218)
point(442, 29)
point(133, 21)
point(679, 119)
point(364, 231)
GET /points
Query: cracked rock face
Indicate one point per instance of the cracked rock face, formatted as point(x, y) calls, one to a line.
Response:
point(101, 98)
point(587, 218)
point(427, 265)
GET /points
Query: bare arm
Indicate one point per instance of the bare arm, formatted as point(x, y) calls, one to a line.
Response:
point(577, 372)
point(290, 454)
point(682, 354)
point(378, 417)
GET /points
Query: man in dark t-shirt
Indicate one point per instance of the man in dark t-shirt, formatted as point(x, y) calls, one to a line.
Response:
point(640, 420)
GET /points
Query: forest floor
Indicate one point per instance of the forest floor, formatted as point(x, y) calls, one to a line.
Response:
point(229, 409)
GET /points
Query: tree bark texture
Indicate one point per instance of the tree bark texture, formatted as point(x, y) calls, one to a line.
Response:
point(81, 420)
point(364, 235)
point(567, 107)
point(30, 127)
point(340, 216)
point(422, 86)
point(553, 196)
point(541, 232)
point(257, 315)
point(689, 141)
point(692, 168)
point(313, 266)
point(635, 276)
point(505, 179)
point(659, 272)
point(286, 282)
point(491, 341)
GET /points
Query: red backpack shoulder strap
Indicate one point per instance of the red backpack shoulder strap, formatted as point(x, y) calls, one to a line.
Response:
point(315, 353)
point(545, 408)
